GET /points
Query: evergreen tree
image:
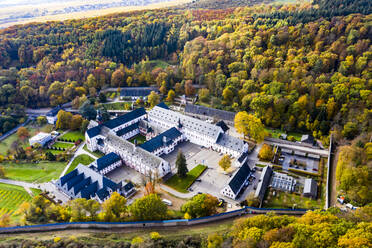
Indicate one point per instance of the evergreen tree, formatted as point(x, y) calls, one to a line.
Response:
point(181, 165)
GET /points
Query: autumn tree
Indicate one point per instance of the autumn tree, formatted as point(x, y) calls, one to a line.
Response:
point(63, 120)
point(171, 96)
point(266, 153)
point(225, 162)
point(114, 208)
point(153, 99)
point(189, 88)
point(22, 133)
point(249, 125)
point(76, 122)
point(181, 165)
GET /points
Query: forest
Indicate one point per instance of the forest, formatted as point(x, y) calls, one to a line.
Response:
point(297, 67)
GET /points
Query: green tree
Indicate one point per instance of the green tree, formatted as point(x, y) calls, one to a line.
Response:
point(171, 96)
point(200, 205)
point(88, 111)
point(149, 207)
point(181, 165)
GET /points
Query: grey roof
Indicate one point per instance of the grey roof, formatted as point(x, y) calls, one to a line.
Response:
point(310, 187)
point(125, 118)
point(308, 139)
point(88, 182)
point(188, 122)
point(299, 153)
point(288, 151)
point(147, 158)
point(107, 160)
point(202, 110)
point(230, 142)
point(223, 125)
point(313, 156)
point(237, 181)
point(164, 139)
point(137, 91)
point(264, 182)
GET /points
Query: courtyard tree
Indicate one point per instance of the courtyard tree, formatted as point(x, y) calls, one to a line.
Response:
point(225, 162)
point(250, 125)
point(200, 205)
point(153, 99)
point(181, 165)
point(266, 153)
point(76, 121)
point(149, 207)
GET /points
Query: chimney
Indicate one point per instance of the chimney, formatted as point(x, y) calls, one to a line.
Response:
point(164, 140)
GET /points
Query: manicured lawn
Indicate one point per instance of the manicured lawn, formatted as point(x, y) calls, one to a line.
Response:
point(118, 106)
point(140, 139)
point(73, 136)
point(54, 152)
point(11, 197)
point(287, 200)
point(34, 172)
point(62, 145)
point(182, 184)
point(81, 159)
point(98, 154)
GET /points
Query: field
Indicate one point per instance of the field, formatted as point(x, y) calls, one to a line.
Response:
point(73, 136)
point(6, 144)
point(140, 139)
point(60, 145)
point(34, 172)
point(11, 197)
point(182, 184)
point(81, 159)
point(98, 154)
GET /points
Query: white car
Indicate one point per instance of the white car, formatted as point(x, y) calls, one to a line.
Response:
point(167, 202)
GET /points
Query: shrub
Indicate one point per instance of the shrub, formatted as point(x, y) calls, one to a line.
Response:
point(137, 240)
point(155, 236)
point(57, 239)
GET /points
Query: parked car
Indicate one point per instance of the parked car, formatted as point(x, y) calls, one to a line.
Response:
point(167, 202)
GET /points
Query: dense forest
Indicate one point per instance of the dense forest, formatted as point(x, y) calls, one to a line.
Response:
point(304, 67)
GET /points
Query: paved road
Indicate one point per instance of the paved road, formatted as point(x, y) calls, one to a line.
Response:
point(19, 183)
point(176, 193)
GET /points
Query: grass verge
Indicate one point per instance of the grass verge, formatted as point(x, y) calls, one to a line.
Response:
point(81, 159)
point(98, 154)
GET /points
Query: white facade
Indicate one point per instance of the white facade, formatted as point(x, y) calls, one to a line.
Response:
point(52, 119)
point(40, 138)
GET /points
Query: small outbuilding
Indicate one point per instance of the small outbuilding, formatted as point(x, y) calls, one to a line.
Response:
point(41, 139)
point(310, 188)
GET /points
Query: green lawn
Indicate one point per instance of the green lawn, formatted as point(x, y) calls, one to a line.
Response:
point(287, 200)
point(98, 154)
point(33, 129)
point(34, 172)
point(182, 184)
point(36, 191)
point(73, 136)
point(11, 197)
point(54, 152)
point(118, 106)
point(63, 145)
point(140, 139)
point(81, 159)
point(275, 133)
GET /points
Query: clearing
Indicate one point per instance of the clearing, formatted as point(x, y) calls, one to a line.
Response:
point(140, 139)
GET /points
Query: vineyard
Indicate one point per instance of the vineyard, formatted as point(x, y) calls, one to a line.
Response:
point(11, 197)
